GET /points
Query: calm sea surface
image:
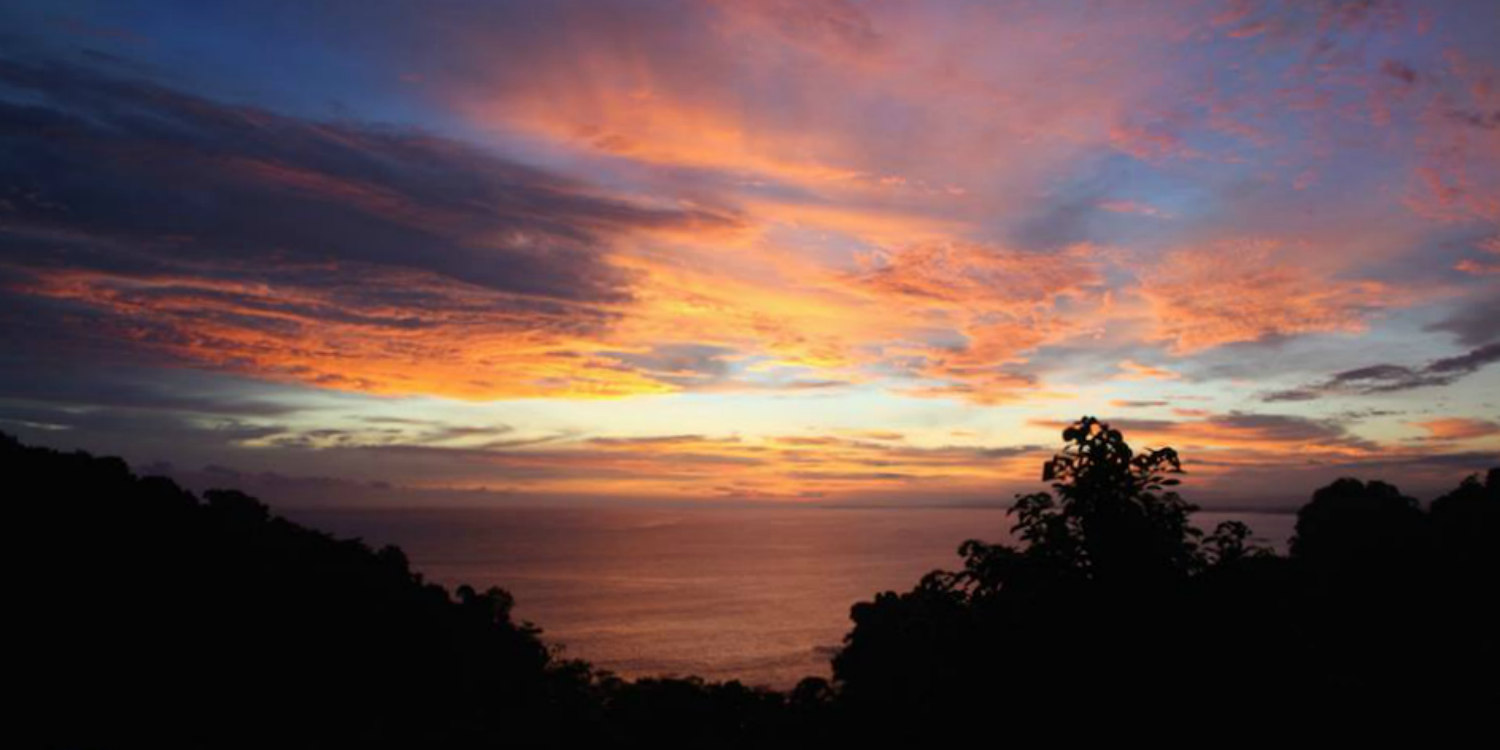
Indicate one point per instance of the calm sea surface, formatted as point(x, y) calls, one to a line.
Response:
point(760, 595)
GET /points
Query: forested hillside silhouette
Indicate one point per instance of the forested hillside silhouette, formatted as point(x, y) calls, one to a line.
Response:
point(151, 617)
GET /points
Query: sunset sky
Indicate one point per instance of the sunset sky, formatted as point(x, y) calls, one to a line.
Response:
point(735, 250)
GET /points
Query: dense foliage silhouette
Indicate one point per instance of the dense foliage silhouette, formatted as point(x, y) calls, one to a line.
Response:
point(1115, 608)
point(145, 617)
point(149, 617)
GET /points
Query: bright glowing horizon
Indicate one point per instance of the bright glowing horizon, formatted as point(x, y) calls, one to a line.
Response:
point(784, 250)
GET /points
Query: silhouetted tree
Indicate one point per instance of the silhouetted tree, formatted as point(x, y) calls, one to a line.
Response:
point(1464, 521)
point(1112, 517)
point(1465, 525)
point(1114, 607)
point(1084, 607)
point(1351, 523)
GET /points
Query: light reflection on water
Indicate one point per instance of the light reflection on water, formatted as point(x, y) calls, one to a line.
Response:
point(761, 595)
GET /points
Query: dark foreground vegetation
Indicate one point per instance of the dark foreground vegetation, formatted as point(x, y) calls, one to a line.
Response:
point(149, 617)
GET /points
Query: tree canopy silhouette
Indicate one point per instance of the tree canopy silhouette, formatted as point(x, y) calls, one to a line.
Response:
point(1113, 517)
point(145, 617)
point(1115, 605)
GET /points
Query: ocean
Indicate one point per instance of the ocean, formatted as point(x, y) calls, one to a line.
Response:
point(761, 595)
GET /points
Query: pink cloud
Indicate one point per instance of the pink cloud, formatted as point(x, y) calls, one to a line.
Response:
point(1251, 290)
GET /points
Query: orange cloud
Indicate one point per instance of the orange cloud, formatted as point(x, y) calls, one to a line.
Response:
point(1482, 267)
point(1130, 370)
point(476, 344)
point(960, 316)
point(797, 323)
point(1002, 303)
point(1458, 428)
point(1251, 290)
